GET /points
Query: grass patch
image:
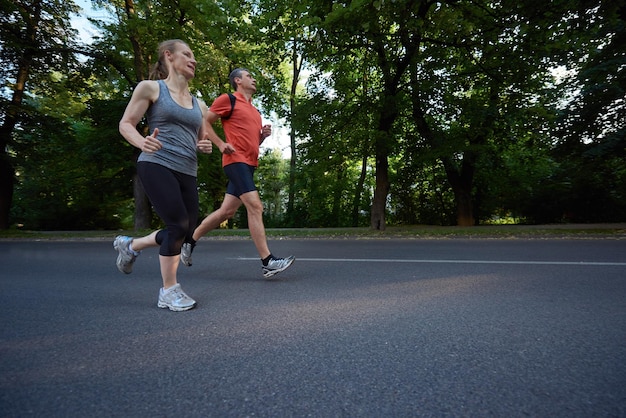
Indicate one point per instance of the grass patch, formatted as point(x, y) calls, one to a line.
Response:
point(615, 231)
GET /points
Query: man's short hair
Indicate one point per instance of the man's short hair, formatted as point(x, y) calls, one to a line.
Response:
point(236, 73)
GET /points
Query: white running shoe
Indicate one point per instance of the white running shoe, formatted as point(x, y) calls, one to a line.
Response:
point(126, 257)
point(175, 299)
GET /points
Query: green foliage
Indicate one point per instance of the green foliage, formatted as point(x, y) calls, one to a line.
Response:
point(272, 176)
point(36, 31)
point(459, 98)
point(421, 195)
point(66, 180)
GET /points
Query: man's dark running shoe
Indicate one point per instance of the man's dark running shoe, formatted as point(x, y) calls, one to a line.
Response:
point(276, 265)
point(185, 254)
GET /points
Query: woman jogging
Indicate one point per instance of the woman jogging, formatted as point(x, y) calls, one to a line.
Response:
point(168, 163)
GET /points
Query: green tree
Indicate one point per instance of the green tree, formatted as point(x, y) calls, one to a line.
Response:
point(590, 185)
point(35, 39)
point(413, 112)
point(129, 43)
point(391, 34)
point(273, 175)
point(336, 145)
point(67, 177)
point(286, 25)
point(222, 38)
point(491, 85)
point(457, 79)
point(387, 35)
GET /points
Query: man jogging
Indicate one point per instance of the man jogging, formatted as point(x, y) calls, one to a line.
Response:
point(240, 154)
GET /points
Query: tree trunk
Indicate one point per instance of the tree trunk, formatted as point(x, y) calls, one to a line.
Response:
point(379, 204)
point(464, 208)
point(7, 171)
point(462, 181)
point(7, 176)
point(357, 193)
point(338, 196)
point(382, 146)
point(297, 66)
point(143, 208)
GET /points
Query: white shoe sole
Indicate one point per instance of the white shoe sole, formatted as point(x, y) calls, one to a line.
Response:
point(164, 305)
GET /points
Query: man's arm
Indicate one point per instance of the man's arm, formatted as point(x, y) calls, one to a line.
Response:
point(224, 147)
point(265, 132)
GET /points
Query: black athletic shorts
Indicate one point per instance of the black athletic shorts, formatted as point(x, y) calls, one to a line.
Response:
point(240, 178)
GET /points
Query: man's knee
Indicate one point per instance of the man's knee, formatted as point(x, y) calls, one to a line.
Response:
point(228, 214)
point(228, 209)
point(220, 215)
point(252, 200)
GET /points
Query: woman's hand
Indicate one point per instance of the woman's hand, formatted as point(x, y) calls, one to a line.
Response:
point(151, 143)
point(205, 146)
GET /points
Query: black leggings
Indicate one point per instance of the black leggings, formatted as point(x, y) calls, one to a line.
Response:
point(174, 197)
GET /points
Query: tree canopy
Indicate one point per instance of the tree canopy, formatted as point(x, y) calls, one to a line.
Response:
point(397, 112)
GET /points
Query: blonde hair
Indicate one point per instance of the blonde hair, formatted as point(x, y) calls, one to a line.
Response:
point(159, 70)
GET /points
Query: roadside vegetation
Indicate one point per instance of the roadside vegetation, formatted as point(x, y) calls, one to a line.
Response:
point(389, 113)
point(608, 231)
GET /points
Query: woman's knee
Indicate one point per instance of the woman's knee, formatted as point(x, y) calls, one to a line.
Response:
point(179, 229)
point(177, 232)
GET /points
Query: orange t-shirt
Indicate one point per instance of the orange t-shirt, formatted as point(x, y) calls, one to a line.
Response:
point(242, 129)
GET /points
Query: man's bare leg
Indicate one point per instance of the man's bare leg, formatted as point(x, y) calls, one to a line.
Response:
point(226, 211)
point(271, 264)
point(254, 206)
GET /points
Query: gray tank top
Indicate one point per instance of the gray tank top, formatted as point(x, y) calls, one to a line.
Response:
point(178, 132)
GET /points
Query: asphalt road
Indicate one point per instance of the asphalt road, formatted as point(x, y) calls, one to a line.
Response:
point(355, 328)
